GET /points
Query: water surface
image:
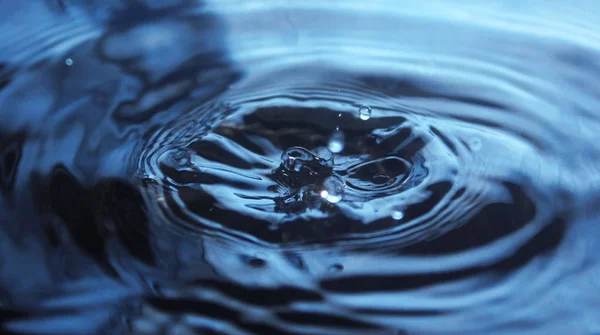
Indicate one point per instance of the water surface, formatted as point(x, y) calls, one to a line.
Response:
point(299, 167)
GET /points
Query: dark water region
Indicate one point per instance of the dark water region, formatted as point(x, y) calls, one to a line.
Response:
point(299, 167)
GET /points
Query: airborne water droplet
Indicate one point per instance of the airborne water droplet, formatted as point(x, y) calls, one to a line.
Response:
point(364, 112)
point(336, 142)
point(68, 62)
point(333, 189)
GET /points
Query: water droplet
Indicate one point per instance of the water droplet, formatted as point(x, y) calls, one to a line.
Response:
point(68, 61)
point(340, 115)
point(397, 214)
point(364, 112)
point(475, 144)
point(294, 158)
point(336, 142)
point(333, 189)
point(336, 268)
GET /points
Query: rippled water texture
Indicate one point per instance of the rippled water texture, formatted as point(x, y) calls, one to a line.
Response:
point(299, 167)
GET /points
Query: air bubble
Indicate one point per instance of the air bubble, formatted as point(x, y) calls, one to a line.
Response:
point(68, 62)
point(364, 112)
point(333, 189)
point(336, 142)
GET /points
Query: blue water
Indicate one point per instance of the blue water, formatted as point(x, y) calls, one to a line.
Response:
point(299, 167)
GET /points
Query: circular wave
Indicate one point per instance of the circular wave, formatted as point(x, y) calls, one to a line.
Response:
point(297, 163)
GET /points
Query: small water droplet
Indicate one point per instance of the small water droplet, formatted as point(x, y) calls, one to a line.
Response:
point(336, 268)
point(397, 214)
point(336, 142)
point(364, 112)
point(340, 115)
point(333, 189)
point(475, 144)
point(68, 61)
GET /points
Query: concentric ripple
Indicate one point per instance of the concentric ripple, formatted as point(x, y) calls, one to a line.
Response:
point(263, 167)
point(345, 159)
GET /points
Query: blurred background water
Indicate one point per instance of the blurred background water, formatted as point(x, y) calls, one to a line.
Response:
point(299, 167)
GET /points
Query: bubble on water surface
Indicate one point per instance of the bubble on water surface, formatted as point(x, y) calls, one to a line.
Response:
point(333, 189)
point(68, 62)
point(364, 112)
